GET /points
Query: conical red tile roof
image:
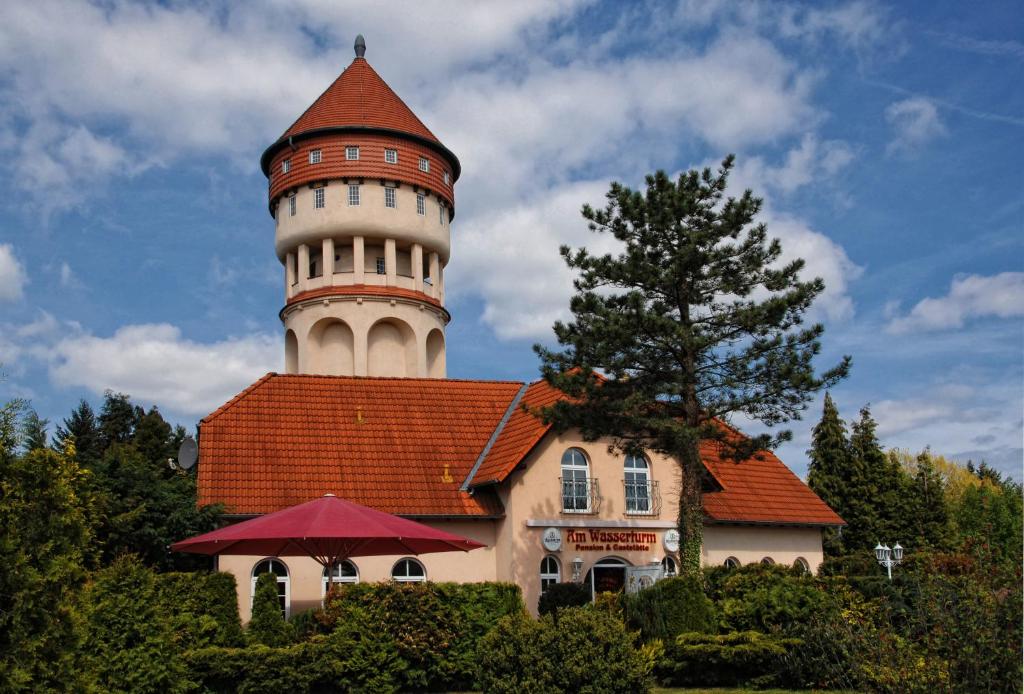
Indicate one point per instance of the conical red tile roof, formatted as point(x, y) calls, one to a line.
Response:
point(360, 97)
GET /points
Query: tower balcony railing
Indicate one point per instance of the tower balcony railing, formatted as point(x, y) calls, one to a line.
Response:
point(580, 496)
point(643, 497)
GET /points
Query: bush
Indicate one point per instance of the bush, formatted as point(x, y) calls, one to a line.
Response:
point(129, 641)
point(769, 598)
point(435, 626)
point(355, 658)
point(267, 626)
point(559, 595)
point(586, 650)
point(744, 658)
point(669, 608)
point(203, 608)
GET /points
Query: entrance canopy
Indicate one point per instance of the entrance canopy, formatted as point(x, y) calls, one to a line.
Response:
point(329, 530)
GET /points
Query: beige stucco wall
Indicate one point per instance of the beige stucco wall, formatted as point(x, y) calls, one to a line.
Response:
point(337, 219)
point(306, 576)
point(532, 499)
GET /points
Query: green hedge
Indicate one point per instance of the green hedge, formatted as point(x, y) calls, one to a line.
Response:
point(435, 626)
point(745, 658)
point(203, 607)
point(669, 608)
point(559, 595)
point(585, 650)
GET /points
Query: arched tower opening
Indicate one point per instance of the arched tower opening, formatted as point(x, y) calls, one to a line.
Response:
point(331, 348)
point(435, 354)
point(391, 349)
point(291, 352)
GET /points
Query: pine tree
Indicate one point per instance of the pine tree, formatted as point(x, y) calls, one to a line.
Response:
point(81, 426)
point(928, 505)
point(33, 431)
point(267, 625)
point(118, 419)
point(827, 474)
point(694, 321)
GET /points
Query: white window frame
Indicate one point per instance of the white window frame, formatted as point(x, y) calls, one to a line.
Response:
point(767, 561)
point(573, 481)
point(390, 198)
point(424, 165)
point(547, 576)
point(406, 578)
point(318, 198)
point(390, 156)
point(803, 564)
point(440, 216)
point(285, 580)
point(286, 166)
point(421, 204)
point(315, 156)
point(447, 178)
point(637, 474)
point(731, 563)
point(339, 576)
point(292, 205)
point(351, 153)
point(382, 266)
point(669, 567)
point(353, 195)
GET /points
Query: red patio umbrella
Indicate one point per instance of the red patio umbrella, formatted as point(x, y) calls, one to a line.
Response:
point(329, 530)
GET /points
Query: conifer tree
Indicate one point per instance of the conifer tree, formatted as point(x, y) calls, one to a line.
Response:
point(33, 431)
point(927, 502)
point(82, 427)
point(694, 321)
point(267, 625)
point(885, 484)
point(830, 457)
point(118, 419)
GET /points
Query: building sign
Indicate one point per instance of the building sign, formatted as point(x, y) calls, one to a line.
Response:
point(552, 539)
point(671, 541)
point(595, 540)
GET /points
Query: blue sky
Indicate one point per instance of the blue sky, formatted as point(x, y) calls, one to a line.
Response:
point(136, 248)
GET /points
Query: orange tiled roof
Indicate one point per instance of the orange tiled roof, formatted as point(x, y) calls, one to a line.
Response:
point(381, 442)
point(360, 97)
point(386, 442)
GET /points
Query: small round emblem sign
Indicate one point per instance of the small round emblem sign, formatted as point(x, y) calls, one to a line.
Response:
point(671, 540)
point(552, 539)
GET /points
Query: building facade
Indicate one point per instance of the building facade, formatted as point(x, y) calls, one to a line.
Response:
point(362, 194)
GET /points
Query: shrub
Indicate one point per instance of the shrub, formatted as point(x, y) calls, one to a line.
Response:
point(743, 658)
point(129, 641)
point(586, 650)
point(267, 626)
point(435, 626)
point(769, 598)
point(355, 658)
point(669, 608)
point(203, 608)
point(559, 595)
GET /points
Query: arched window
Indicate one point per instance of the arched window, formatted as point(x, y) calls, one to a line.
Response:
point(668, 567)
point(638, 484)
point(550, 572)
point(345, 572)
point(802, 565)
point(284, 593)
point(408, 571)
point(767, 561)
point(575, 481)
point(731, 563)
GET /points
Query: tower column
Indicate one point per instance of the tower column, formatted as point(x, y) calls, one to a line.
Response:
point(390, 262)
point(289, 275)
point(358, 262)
point(440, 283)
point(327, 261)
point(435, 275)
point(303, 268)
point(417, 267)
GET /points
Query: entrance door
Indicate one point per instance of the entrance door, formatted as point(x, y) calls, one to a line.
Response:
point(608, 576)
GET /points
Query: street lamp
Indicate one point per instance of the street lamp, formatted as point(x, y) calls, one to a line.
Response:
point(889, 557)
point(577, 569)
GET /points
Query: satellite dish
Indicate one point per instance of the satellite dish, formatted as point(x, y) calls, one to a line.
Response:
point(188, 454)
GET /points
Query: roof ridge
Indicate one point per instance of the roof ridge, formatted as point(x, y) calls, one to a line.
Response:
point(494, 437)
point(395, 378)
point(223, 408)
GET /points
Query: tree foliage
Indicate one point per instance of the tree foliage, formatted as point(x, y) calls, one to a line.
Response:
point(268, 626)
point(697, 319)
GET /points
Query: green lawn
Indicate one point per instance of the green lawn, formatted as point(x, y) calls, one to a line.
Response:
point(656, 690)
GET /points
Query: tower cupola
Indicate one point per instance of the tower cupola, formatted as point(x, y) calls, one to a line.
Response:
point(363, 195)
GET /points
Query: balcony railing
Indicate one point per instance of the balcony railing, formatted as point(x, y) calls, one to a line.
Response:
point(580, 495)
point(643, 497)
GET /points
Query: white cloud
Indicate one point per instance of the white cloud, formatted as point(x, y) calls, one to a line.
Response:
point(155, 363)
point(915, 121)
point(811, 161)
point(12, 275)
point(970, 296)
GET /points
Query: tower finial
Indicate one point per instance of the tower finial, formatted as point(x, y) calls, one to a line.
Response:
point(360, 46)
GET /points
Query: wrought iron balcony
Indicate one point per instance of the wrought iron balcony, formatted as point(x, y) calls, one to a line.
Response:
point(643, 497)
point(580, 495)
